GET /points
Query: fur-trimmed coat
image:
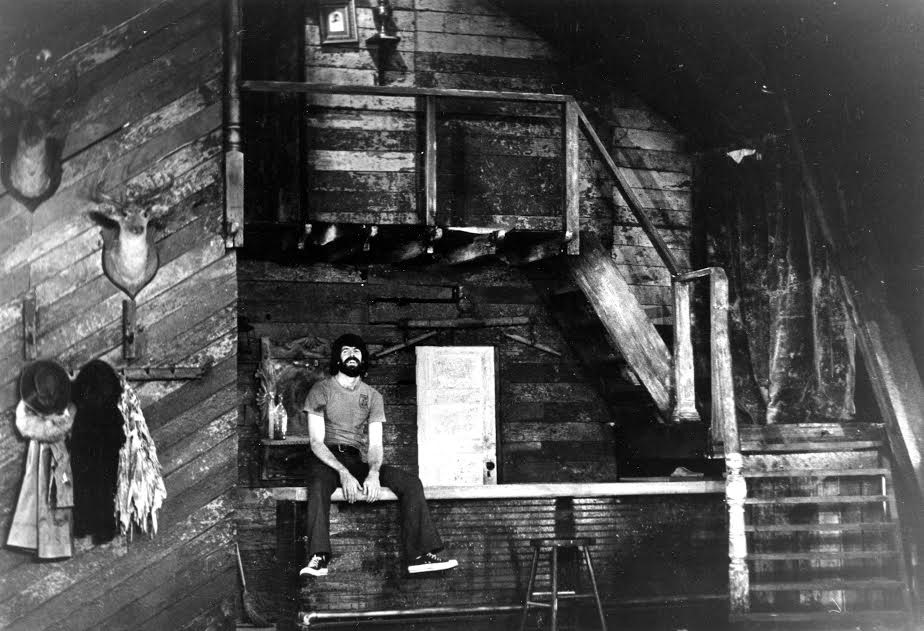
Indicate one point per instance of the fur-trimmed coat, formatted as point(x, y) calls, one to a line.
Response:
point(42, 521)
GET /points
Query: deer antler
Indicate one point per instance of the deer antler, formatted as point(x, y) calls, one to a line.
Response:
point(101, 197)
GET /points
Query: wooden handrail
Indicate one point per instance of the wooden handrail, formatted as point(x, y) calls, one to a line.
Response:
point(631, 198)
point(386, 90)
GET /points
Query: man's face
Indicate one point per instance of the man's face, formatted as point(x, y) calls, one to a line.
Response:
point(351, 361)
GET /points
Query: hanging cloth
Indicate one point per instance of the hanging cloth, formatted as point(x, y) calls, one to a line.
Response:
point(140, 492)
point(792, 343)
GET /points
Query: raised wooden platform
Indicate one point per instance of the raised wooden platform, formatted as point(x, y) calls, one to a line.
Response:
point(663, 486)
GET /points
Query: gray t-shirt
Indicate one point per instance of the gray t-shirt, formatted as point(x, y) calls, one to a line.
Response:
point(347, 412)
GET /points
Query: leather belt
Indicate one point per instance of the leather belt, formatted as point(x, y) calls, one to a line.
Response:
point(342, 448)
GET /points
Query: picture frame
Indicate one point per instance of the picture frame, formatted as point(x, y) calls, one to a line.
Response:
point(337, 21)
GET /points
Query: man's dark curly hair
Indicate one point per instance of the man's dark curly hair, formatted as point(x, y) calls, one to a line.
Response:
point(348, 339)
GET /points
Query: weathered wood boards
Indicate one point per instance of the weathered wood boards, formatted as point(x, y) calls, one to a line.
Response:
point(553, 420)
point(148, 103)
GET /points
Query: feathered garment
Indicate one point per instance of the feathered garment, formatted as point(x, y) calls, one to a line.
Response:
point(140, 492)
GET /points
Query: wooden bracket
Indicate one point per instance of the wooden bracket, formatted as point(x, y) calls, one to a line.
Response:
point(407, 344)
point(29, 327)
point(129, 330)
point(536, 345)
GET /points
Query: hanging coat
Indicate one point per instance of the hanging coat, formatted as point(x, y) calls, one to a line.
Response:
point(43, 517)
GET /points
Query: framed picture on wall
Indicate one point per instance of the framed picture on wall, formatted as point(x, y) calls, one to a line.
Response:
point(338, 21)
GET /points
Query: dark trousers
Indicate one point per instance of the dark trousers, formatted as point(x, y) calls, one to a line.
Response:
point(417, 531)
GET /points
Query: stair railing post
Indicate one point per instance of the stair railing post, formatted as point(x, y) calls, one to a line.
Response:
point(725, 426)
point(735, 494)
point(571, 159)
point(684, 388)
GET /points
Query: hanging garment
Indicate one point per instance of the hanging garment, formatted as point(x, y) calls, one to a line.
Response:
point(94, 444)
point(43, 517)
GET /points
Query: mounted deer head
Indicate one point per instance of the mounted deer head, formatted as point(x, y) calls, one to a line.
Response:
point(130, 258)
point(33, 126)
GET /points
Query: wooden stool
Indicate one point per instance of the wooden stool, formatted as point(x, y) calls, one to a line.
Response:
point(581, 544)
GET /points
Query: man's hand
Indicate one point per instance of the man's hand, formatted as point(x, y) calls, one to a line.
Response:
point(372, 487)
point(350, 486)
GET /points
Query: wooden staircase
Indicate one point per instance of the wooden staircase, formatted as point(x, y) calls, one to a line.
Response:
point(824, 541)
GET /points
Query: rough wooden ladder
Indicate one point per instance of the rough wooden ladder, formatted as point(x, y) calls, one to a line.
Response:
point(824, 541)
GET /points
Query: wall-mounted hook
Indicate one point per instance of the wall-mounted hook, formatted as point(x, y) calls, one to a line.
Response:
point(166, 373)
point(29, 326)
point(129, 330)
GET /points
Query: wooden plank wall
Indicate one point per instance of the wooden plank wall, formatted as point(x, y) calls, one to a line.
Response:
point(149, 101)
point(554, 422)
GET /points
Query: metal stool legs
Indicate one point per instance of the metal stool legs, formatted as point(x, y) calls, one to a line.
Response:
point(552, 604)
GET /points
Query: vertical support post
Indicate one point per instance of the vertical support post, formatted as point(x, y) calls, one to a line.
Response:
point(724, 424)
point(571, 159)
point(725, 429)
point(234, 155)
point(735, 493)
point(684, 389)
point(29, 326)
point(430, 161)
point(129, 330)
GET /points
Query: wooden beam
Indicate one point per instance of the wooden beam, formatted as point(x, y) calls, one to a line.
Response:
point(481, 246)
point(464, 323)
point(572, 168)
point(624, 319)
point(526, 490)
point(430, 153)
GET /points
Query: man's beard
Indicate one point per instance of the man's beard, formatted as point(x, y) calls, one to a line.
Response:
point(351, 370)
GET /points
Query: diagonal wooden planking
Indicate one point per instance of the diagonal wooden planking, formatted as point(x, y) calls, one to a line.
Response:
point(56, 593)
point(132, 599)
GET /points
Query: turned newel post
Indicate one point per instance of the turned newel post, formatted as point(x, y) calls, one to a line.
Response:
point(735, 493)
point(234, 155)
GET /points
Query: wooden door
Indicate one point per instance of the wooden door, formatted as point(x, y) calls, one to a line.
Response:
point(456, 428)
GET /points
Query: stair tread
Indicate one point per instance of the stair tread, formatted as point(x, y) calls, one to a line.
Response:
point(827, 584)
point(816, 499)
point(853, 526)
point(796, 616)
point(816, 446)
point(818, 473)
point(820, 556)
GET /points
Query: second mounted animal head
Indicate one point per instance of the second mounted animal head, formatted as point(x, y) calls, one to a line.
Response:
point(35, 115)
point(130, 257)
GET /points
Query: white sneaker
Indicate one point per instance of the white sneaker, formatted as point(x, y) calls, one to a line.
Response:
point(317, 566)
point(430, 562)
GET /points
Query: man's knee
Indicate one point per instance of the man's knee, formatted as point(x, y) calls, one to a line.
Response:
point(320, 484)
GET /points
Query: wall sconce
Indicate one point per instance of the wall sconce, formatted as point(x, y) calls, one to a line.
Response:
point(385, 41)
